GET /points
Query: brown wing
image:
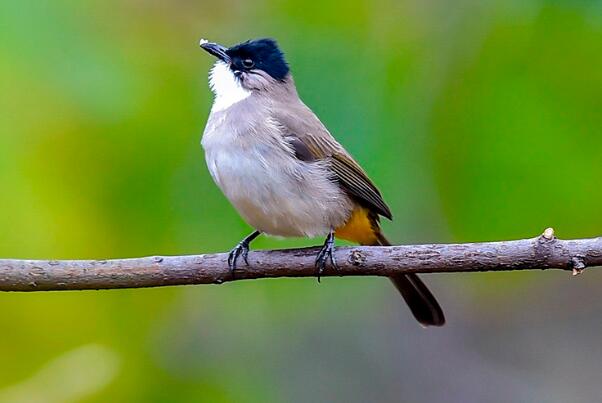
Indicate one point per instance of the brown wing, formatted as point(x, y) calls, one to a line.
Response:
point(310, 140)
point(355, 181)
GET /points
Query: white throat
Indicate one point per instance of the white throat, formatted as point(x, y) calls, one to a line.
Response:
point(226, 87)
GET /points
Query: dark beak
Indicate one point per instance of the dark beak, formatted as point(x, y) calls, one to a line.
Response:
point(216, 50)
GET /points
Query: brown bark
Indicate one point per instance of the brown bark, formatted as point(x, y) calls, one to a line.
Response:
point(543, 252)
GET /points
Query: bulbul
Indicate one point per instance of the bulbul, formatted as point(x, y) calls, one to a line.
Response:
point(283, 171)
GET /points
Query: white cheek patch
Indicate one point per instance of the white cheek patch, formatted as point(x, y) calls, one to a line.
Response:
point(226, 87)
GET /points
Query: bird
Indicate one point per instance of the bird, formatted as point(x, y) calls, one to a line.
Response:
point(284, 172)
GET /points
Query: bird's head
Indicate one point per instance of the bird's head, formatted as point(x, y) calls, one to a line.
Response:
point(255, 65)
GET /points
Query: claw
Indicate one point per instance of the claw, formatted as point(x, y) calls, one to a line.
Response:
point(325, 254)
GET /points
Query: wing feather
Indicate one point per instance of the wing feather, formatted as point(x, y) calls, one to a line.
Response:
point(310, 141)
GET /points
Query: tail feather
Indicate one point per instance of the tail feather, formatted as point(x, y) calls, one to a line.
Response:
point(416, 294)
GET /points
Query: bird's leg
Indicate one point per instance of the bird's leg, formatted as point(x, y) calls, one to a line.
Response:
point(327, 252)
point(241, 249)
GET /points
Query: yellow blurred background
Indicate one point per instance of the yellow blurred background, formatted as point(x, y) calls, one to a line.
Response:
point(479, 120)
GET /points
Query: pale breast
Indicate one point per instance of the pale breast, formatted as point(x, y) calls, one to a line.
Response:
point(271, 189)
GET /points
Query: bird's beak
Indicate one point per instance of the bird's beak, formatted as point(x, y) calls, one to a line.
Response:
point(216, 50)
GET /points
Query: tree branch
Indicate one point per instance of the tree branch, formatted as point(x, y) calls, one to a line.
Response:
point(543, 252)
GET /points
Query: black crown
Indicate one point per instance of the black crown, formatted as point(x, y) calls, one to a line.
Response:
point(265, 54)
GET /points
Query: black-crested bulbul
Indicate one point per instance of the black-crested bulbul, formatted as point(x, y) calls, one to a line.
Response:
point(283, 171)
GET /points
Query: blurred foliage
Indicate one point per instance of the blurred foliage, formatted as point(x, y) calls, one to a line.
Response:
point(478, 120)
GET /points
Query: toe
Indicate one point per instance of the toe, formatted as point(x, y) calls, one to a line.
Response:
point(333, 261)
point(245, 255)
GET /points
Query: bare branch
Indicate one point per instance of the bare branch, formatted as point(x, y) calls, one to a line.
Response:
point(543, 252)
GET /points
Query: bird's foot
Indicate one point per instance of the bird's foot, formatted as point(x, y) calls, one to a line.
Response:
point(325, 254)
point(242, 249)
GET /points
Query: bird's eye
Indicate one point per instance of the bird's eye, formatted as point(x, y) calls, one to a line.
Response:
point(248, 63)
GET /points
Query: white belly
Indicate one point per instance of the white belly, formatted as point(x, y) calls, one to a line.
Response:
point(276, 193)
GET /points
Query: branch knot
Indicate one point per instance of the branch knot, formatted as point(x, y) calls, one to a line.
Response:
point(356, 258)
point(578, 265)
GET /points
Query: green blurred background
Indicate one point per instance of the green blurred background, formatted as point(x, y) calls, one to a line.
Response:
point(479, 120)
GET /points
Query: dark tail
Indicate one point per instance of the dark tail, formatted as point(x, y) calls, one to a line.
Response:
point(422, 303)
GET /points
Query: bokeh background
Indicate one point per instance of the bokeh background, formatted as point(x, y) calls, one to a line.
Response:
point(479, 120)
